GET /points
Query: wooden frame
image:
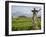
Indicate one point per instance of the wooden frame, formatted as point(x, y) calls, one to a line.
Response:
point(7, 17)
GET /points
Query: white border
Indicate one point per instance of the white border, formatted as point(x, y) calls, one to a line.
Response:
point(24, 32)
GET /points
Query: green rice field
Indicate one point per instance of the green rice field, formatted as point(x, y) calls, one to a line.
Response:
point(24, 23)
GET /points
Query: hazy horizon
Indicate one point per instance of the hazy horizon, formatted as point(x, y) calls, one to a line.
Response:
point(24, 10)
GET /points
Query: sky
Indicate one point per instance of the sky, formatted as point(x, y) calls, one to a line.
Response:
point(24, 10)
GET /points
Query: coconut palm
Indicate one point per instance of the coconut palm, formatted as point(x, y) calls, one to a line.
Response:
point(35, 18)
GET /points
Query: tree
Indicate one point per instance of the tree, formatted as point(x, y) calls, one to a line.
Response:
point(34, 18)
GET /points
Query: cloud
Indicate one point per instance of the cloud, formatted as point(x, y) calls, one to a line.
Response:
point(23, 10)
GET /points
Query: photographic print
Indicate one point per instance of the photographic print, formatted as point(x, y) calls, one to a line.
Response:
point(25, 18)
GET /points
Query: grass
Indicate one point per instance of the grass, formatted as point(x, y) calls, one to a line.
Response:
point(22, 23)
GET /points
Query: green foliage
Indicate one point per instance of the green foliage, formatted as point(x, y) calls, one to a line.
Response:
point(22, 23)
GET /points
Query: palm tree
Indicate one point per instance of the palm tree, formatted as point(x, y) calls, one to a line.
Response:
point(34, 18)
